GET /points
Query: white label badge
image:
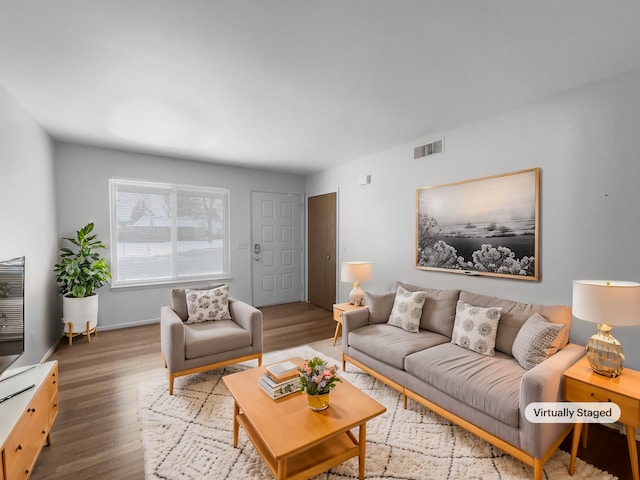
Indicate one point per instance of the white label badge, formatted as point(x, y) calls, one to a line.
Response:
point(572, 412)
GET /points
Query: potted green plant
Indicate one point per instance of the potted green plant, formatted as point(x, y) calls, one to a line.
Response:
point(80, 272)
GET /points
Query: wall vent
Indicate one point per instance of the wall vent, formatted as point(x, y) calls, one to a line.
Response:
point(429, 149)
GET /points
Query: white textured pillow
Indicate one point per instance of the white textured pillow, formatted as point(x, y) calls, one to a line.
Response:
point(533, 342)
point(207, 305)
point(475, 328)
point(407, 310)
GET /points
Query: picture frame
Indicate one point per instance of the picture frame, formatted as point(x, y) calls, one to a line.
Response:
point(487, 226)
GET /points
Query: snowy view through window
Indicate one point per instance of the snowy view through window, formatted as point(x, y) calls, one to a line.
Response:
point(167, 232)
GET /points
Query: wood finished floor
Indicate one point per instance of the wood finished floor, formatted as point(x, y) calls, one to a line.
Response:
point(97, 434)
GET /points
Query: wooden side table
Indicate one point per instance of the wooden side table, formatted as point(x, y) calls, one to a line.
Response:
point(338, 310)
point(582, 384)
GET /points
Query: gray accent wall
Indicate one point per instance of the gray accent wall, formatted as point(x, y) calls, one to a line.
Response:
point(82, 184)
point(587, 144)
point(28, 221)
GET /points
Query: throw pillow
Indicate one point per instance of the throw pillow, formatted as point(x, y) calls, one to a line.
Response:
point(407, 310)
point(475, 328)
point(533, 342)
point(179, 299)
point(380, 306)
point(207, 305)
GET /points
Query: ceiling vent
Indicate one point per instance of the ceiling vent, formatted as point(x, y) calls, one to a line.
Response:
point(429, 149)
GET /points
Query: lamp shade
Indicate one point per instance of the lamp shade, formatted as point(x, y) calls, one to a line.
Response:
point(611, 302)
point(356, 271)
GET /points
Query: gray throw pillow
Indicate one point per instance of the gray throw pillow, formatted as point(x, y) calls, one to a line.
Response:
point(380, 305)
point(533, 344)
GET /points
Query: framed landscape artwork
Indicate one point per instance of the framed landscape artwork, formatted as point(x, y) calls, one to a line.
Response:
point(487, 226)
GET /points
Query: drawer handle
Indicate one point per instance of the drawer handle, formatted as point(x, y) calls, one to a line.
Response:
point(599, 399)
point(19, 447)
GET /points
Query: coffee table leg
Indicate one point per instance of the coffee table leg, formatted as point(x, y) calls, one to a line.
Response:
point(282, 469)
point(362, 442)
point(236, 425)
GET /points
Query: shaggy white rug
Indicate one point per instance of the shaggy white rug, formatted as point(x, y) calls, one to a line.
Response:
point(188, 436)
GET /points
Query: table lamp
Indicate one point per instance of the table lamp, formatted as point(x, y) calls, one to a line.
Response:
point(606, 303)
point(356, 272)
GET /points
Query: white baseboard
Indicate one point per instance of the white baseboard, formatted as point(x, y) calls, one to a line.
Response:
point(50, 351)
point(118, 326)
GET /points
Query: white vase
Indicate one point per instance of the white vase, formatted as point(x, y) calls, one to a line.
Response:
point(79, 311)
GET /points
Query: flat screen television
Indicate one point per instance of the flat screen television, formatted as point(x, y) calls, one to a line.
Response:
point(11, 311)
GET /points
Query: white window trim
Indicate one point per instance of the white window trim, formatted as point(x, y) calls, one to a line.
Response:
point(173, 279)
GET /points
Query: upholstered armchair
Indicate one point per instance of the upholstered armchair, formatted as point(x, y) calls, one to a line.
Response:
point(207, 345)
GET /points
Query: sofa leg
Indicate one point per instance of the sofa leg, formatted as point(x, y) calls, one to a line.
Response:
point(404, 400)
point(171, 384)
point(537, 469)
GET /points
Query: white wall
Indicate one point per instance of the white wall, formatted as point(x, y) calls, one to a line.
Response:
point(587, 144)
point(82, 183)
point(28, 221)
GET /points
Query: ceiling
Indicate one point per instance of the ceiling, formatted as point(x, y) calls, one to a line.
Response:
point(295, 85)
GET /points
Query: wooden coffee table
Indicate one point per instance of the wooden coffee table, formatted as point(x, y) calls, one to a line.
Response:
point(293, 441)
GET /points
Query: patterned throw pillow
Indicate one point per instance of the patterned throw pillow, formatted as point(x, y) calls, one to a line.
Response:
point(475, 328)
point(207, 305)
point(407, 310)
point(533, 342)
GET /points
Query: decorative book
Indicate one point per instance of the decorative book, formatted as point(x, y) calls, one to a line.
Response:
point(277, 390)
point(280, 372)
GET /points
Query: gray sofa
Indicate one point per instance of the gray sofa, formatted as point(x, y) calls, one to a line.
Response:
point(485, 394)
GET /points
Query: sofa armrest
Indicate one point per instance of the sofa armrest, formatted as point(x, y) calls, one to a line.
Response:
point(249, 318)
point(353, 320)
point(172, 339)
point(545, 383)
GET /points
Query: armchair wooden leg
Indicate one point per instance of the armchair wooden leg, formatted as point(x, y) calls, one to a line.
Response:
point(171, 379)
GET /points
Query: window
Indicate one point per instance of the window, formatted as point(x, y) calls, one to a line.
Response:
point(163, 233)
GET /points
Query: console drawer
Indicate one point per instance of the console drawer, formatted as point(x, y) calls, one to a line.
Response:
point(577, 391)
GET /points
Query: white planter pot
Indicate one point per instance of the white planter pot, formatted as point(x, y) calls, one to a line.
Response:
point(79, 311)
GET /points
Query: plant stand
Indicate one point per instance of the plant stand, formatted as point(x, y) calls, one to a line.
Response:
point(88, 331)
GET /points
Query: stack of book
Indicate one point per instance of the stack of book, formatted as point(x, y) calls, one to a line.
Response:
point(280, 379)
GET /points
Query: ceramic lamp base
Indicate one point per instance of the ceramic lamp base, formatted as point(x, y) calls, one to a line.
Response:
point(356, 295)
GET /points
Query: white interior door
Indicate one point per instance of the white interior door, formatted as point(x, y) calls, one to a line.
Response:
point(276, 248)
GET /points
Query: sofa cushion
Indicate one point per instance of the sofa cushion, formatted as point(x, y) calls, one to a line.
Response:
point(476, 327)
point(207, 338)
point(380, 305)
point(514, 314)
point(407, 310)
point(439, 311)
point(208, 305)
point(391, 344)
point(533, 343)
point(179, 299)
point(490, 384)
